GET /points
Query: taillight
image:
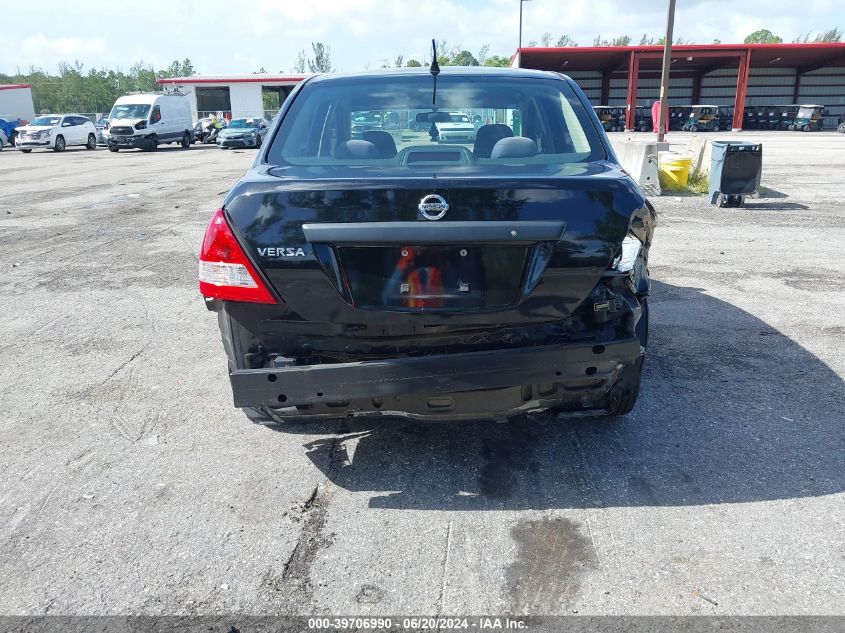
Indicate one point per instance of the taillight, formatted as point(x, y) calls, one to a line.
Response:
point(224, 270)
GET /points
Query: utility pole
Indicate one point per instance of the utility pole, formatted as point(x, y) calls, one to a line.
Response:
point(519, 50)
point(664, 78)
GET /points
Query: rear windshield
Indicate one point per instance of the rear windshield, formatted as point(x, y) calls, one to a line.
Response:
point(477, 120)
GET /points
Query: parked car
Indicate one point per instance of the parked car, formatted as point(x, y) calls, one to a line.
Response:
point(458, 129)
point(100, 124)
point(8, 133)
point(366, 121)
point(249, 132)
point(401, 277)
point(57, 132)
point(146, 121)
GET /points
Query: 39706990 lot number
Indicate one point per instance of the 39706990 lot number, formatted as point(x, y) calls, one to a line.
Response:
point(353, 624)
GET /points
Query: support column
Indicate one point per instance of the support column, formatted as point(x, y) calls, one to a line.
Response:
point(696, 89)
point(605, 88)
point(633, 76)
point(741, 88)
point(797, 91)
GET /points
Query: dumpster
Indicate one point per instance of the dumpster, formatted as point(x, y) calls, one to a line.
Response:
point(735, 170)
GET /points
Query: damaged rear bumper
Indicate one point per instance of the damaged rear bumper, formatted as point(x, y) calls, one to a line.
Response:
point(472, 385)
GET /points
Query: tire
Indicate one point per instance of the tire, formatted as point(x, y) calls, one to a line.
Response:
point(114, 149)
point(622, 397)
point(59, 145)
point(841, 128)
point(13, 138)
point(715, 128)
point(186, 140)
point(2, 144)
point(153, 143)
point(693, 128)
point(643, 127)
point(26, 151)
point(258, 141)
point(92, 142)
point(806, 128)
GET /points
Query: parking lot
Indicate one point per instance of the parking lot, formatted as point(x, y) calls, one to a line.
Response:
point(129, 484)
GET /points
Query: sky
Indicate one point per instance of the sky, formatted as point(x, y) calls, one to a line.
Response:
point(242, 36)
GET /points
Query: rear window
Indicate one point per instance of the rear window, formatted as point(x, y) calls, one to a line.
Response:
point(476, 120)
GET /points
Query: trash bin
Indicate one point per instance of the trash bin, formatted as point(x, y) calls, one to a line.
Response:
point(673, 171)
point(735, 170)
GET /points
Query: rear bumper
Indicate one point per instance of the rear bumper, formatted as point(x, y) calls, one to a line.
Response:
point(474, 385)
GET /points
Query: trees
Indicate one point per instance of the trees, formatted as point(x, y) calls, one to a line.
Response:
point(299, 66)
point(322, 62)
point(566, 40)
point(464, 58)
point(763, 36)
point(77, 89)
point(622, 40)
point(833, 35)
point(497, 61)
point(413, 63)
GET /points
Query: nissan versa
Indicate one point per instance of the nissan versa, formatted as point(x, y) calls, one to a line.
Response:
point(391, 273)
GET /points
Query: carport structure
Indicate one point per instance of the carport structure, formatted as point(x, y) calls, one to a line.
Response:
point(722, 74)
point(235, 95)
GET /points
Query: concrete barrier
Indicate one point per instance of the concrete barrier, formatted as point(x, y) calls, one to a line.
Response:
point(639, 159)
point(701, 151)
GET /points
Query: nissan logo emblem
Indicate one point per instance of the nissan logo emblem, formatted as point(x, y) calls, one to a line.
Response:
point(433, 207)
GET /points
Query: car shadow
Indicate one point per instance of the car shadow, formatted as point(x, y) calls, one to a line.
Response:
point(731, 411)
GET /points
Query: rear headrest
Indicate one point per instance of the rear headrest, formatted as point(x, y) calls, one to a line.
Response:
point(383, 141)
point(487, 136)
point(356, 149)
point(514, 147)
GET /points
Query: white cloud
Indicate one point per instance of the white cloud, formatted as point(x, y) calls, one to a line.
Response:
point(229, 36)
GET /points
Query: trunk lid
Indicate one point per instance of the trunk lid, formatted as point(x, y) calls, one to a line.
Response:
point(522, 246)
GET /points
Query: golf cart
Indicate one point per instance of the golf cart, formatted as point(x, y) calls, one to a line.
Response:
point(643, 121)
point(612, 118)
point(677, 115)
point(787, 116)
point(810, 118)
point(707, 118)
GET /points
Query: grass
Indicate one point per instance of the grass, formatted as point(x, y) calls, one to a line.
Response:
point(698, 182)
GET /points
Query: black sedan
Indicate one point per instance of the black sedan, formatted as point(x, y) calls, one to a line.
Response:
point(385, 274)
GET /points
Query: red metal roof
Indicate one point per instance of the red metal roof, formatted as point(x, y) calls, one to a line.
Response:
point(232, 79)
point(15, 86)
point(692, 57)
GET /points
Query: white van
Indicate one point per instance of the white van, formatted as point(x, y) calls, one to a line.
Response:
point(146, 120)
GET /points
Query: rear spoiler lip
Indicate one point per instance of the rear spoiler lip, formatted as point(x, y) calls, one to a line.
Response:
point(460, 232)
